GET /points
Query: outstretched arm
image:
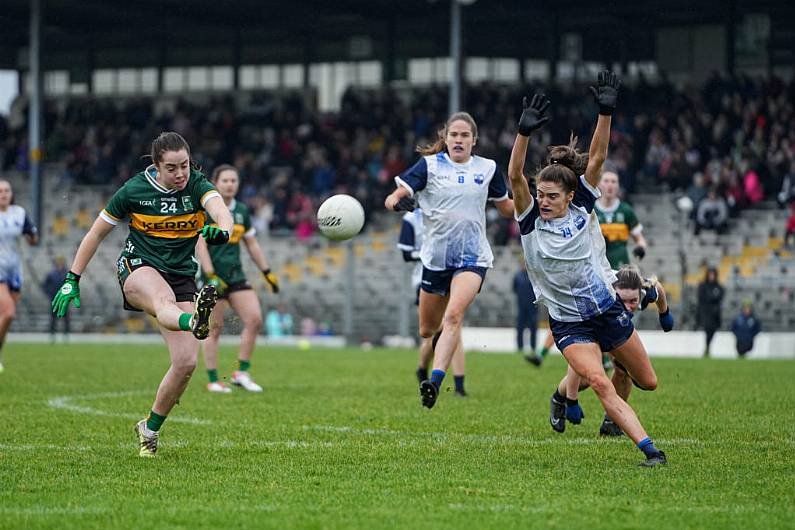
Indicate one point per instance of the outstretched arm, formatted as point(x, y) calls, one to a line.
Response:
point(533, 118)
point(606, 95)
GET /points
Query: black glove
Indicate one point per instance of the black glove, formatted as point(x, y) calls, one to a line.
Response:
point(406, 204)
point(606, 92)
point(533, 114)
point(639, 252)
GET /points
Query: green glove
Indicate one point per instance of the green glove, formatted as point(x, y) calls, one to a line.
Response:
point(217, 282)
point(214, 235)
point(69, 291)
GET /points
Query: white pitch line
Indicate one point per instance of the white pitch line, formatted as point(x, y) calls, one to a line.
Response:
point(67, 403)
point(485, 438)
point(41, 511)
point(171, 444)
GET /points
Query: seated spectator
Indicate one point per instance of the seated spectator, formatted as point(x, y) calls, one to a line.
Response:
point(753, 187)
point(308, 327)
point(745, 328)
point(787, 193)
point(712, 213)
point(273, 324)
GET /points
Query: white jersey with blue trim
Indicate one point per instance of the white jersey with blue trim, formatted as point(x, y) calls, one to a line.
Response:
point(453, 200)
point(566, 260)
point(14, 222)
point(412, 231)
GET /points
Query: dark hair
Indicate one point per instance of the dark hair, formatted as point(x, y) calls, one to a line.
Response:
point(628, 277)
point(564, 165)
point(220, 169)
point(169, 141)
point(11, 188)
point(439, 146)
point(709, 270)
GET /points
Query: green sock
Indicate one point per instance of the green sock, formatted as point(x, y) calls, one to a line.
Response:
point(213, 375)
point(154, 421)
point(184, 321)
point(543, 352)
point(243, 366)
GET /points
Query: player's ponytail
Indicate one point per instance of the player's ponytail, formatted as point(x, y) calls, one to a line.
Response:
point(568, 155)
point(439, 145)
point(564, 165)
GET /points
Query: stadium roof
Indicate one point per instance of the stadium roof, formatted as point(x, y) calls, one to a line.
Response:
point(111, 33)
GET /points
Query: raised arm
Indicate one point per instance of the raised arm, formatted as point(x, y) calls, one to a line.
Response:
point(533, 118)
point(606, 94)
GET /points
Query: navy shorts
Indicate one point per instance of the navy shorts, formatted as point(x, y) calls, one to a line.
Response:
point(438, 282)
point(609, 330)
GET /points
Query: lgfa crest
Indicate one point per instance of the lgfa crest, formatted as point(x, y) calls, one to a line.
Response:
point(187, 204)
point(479, 178)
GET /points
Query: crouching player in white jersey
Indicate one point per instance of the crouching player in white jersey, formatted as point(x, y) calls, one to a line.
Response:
point(14, 223)
point(452, 187)
point(568, 276)
point(636, 293)
point(410, 244)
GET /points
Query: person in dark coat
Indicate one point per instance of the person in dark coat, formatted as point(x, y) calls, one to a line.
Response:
point(52, 283)
point(526, 310)
point(710, 296)
point(745, 328)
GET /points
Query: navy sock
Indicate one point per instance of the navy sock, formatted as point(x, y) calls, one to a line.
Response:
point(571, 402)
point(422, 373)
point(437, 376)
point(647, 446)
point(557, 397)
point(459, 383)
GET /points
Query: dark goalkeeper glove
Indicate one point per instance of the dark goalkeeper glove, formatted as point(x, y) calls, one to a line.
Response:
point(667, 320)
point(272, 280)
point(214, 235)
point(406, 204)
point(639, 252)
point(533, 114)
point(606, 92)
point(69, 291)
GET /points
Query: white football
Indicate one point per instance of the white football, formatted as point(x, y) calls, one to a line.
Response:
point(340, 217)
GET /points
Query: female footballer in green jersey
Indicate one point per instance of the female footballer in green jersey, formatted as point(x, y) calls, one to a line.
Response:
point(166, 206)
point(223, 269)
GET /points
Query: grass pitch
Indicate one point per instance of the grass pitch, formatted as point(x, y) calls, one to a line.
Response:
point(339, 440)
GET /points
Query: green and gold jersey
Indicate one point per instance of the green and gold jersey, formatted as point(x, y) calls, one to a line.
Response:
point(226, 258)
point(617, 223)
point(163, 223)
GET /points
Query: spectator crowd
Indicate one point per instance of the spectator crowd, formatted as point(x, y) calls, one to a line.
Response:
point(728, 145)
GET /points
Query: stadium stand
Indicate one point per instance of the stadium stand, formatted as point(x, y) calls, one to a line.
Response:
point(291, 157)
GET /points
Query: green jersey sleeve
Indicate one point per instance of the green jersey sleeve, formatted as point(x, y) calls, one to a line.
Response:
point(118, 207)
point(202, 190)
point(631, 219)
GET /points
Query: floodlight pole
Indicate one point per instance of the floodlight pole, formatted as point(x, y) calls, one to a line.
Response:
point(34, 113)
point(454, 102)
